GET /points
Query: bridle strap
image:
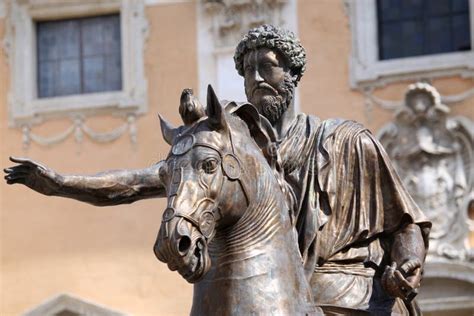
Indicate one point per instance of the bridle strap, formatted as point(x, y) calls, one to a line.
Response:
point(221, 155)
point(189, 217)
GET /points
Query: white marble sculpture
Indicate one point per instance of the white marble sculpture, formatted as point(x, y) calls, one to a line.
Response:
point(434, 156)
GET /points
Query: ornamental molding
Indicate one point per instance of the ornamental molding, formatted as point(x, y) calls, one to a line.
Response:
point(447, 286)
point(367, 71)
point(452, 99)
point(65, 303)
point(371, 100)
point(231, 19)
point(221, 26)
point(79, 129)
point(25, 109)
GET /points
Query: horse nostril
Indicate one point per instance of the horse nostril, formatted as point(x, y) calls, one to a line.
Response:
point(184, 244)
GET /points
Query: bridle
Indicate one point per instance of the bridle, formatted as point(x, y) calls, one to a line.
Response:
point(231, 166)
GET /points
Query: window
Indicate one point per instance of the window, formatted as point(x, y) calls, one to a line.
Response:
point(422, 27)
point(75, 59)
point(79, 56)
point(395, 40)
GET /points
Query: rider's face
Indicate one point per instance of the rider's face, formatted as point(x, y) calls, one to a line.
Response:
point(264, 74)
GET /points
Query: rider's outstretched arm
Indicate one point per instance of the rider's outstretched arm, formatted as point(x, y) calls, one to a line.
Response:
point(103, 189)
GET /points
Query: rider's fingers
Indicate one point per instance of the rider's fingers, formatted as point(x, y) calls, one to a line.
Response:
point(387, 277)
point(17, 174)
point(24, 161)
point(19, 168)
point(28, 162)
point(18, 159)
point(417, 272)
point(402, 281)
point(17, 180)
point(410, 265)
point(415, 278)
point(393, 288)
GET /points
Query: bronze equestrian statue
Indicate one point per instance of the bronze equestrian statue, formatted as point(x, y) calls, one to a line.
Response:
point(361, 238)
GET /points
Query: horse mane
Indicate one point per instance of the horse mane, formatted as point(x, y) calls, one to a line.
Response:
point(259, 128)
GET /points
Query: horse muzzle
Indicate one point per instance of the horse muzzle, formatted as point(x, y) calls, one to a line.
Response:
point(183, 248)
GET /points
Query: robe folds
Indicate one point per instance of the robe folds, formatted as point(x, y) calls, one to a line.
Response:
point(347, 203)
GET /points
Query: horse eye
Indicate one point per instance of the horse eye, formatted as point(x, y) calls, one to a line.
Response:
point(209, 165)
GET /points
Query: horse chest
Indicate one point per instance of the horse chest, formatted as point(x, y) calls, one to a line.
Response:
point(255, 282)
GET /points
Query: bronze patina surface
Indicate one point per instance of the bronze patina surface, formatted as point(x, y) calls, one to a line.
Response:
point(263, 201)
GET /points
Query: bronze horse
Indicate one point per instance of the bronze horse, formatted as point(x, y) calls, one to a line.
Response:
point(227, 226)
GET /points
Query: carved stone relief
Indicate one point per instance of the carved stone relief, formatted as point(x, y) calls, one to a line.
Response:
point(78, 128)
point(233, 18)
point(434, 154)
point(221, 24)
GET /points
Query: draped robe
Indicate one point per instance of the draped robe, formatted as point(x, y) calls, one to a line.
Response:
point(347, 203)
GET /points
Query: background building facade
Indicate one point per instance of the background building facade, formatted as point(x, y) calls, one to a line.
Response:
point(81, 83)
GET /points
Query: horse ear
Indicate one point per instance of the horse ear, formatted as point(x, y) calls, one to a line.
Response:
point(215, 112)
point(168, 131)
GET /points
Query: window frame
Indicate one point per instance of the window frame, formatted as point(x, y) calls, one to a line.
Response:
point(25, 108)
point(79, 53)
point(366, 70)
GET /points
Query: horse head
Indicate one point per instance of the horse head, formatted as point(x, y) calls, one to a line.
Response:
point(207, 188)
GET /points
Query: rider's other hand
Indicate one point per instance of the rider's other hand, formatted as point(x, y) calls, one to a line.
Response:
point(404, 281)
point(33, 175)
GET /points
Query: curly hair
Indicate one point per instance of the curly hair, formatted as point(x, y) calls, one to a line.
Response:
point(270, 36)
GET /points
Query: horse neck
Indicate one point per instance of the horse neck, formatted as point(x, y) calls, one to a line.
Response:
point(266, 216)
point(255, 263)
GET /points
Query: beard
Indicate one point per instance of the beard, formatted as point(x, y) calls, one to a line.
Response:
point(273, 106)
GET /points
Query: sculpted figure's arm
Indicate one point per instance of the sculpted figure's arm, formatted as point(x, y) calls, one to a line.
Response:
point(103, 189)
point(408, 252)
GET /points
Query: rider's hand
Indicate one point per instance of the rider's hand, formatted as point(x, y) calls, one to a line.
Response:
point(33, 175)
point(404, 281)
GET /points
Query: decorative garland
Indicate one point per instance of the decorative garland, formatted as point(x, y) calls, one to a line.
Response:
point(79, 128)
point(393, 105)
